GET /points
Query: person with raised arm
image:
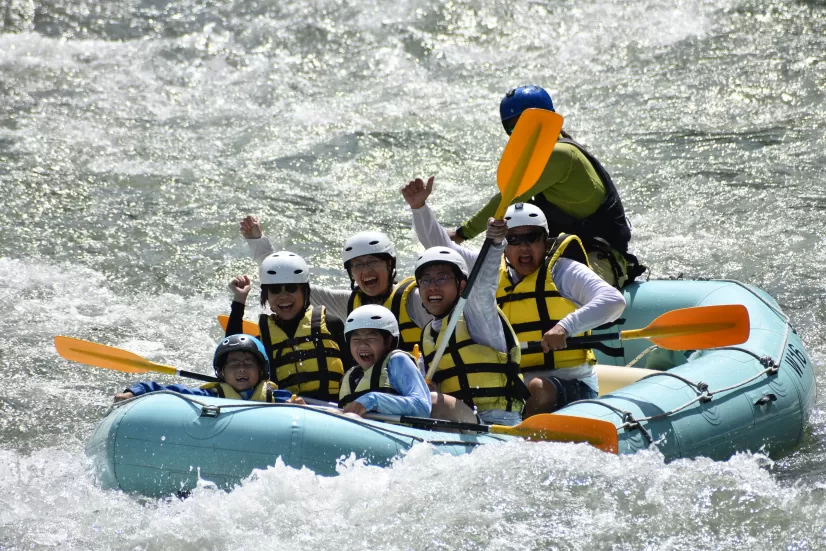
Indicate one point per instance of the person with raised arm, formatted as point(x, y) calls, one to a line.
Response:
point(576, 194)
point(370, 262)
point(546, 290)
point(477, 378)
point(303, 342)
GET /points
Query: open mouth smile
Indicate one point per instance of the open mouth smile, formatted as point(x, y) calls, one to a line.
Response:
point(370, 281)
point(525, 259)
point(435, 298)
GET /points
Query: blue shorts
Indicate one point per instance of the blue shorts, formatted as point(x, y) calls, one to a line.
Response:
point(499, 417)
point(569, 391)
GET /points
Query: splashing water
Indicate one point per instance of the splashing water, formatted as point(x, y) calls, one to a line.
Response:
point(134, 136)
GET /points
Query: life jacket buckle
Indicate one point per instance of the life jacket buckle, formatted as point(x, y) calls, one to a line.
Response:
point(210, 411)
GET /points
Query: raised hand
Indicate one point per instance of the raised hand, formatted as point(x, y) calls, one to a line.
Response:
point(497, 230)
point(240, 287)
point(417, 191)
point(251, 228)
point(455, 237)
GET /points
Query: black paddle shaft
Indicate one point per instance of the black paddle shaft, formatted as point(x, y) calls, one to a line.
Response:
point(436, 424)
point(197, 376)
point(483, 253)
point(573, 343)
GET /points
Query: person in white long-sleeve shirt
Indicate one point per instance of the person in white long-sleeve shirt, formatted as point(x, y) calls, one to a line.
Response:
point(580, 298)
point(478, 376)
point(370, 261)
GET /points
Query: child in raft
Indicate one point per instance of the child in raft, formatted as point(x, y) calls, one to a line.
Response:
point(477, 378)
point(386, 380)
point(242, 370)
point(370, 261)
point(303, 343)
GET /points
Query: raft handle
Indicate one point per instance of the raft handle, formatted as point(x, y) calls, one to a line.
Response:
point(768, 362)
point(209, 410)
point(767, 399)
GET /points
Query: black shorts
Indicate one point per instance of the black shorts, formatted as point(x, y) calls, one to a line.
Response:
point(569, 391)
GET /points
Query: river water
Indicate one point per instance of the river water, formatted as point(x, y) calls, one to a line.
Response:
point(134, 134)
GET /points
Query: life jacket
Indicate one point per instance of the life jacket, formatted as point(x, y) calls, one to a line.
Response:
point(608, 225)
point(359, 381)
point(478, 375)
point(409, 333)
point(533, 306)
point(264, 392)
point(307, 363)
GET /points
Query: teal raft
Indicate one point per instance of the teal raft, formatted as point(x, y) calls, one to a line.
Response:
point(754, 397)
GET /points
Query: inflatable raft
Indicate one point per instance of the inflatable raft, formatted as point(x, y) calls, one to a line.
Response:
point(754, 397)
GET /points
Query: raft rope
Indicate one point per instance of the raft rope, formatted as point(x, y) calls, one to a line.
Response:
point(771, 367)
point(211, 410)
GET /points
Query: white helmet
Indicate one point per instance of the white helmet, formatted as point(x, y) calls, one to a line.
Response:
point(283, 267)
point(367, 242)
point(440, 254)
point(372, 316)
point(525, 214)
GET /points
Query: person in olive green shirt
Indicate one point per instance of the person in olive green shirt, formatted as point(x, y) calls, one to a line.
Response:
point(576, 194)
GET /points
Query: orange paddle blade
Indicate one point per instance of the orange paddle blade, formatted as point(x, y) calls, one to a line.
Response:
point(250, 327)
point(528, 150)
point(107, 357)
point(565, 428)
point(696, 328)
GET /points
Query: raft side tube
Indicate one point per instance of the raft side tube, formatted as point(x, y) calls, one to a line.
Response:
point(767, 414)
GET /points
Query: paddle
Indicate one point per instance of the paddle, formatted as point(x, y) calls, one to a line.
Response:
point(694, 328)
point(250, 327)
point(544, 427)
point(539, 427)
point(525, 156)
point(109, 357)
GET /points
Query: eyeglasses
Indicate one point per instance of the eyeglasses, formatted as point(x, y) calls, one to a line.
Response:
point(435, 281)
point(239, 365)
point(370, 264)
point(525, 238)
point(286, 288)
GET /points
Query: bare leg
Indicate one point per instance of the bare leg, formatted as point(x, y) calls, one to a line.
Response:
point(543, 397)
point(451, 409)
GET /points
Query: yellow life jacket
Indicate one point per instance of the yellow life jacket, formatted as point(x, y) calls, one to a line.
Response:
point(533, 306)
point(409, 333)
point(263, 391)
point(478, 375)
point(307, 363)
point(359, 381)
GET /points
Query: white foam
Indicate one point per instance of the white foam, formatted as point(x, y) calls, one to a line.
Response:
point(515, 495)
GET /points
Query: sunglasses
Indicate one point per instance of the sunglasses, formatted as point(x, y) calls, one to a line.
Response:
point(287, 288)
point(510, 124)
point(525, 238)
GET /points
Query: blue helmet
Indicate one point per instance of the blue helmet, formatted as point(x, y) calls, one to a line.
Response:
point(519, 99)
point(241, 343)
